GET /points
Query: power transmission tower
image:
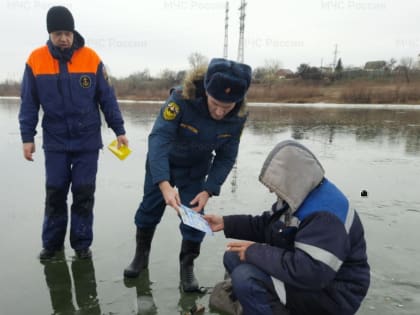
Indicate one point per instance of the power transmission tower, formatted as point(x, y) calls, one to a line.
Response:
point(233, 182)
point(334, 64)
point(225, 49)
point(241, 31)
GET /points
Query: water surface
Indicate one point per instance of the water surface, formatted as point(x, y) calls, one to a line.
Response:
point(362, 148)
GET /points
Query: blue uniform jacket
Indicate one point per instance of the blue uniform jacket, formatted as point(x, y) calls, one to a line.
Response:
point(70, 87)
point(320, 248)
point(186, 143)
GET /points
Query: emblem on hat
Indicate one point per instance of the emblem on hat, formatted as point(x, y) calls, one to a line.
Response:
point(85, 81)
point(227, 90)
point(171, 110)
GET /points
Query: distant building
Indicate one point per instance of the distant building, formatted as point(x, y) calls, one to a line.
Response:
point(353, 68)
point(284, 73)
point(326, 69)
point(379, 65)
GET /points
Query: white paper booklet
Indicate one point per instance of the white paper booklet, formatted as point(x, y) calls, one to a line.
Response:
point(194, 219)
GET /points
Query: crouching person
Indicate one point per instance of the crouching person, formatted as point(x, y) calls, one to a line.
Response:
point(307, 255)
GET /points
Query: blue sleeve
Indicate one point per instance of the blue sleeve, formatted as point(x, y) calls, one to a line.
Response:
point(162, 138)
point(108, 102)
point(29, 108)
point(247, 227)
point(222, 164)
point(309, 267)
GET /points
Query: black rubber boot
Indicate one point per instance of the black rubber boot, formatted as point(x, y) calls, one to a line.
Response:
point(140, 261)
point(189, 251)
point(47, 254)
point(83, 253)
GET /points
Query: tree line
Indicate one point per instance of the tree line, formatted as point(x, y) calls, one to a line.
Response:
point(142, 85)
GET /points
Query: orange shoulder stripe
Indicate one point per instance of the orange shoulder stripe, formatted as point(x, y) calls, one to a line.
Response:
point(84, 60)
point(41, 62)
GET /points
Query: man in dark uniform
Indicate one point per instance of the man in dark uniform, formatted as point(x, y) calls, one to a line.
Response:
point(193, 146)
point(69, 82)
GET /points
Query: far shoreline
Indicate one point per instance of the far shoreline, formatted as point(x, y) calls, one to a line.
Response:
point(277, 104)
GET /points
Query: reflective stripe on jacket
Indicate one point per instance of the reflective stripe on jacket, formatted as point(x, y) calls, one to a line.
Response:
point(319, 248)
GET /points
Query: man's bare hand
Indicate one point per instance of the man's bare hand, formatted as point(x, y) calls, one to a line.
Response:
point(28, 150)
point(122, 140)
point(239, 247)
point(200, 200)
point(170, 195)
point(215, 221)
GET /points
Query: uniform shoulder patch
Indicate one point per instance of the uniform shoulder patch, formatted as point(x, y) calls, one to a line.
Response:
point(171, 111)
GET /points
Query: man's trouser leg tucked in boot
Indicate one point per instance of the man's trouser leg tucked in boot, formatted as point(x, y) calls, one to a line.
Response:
point(140, 261)
point(55, 222)
point(189, 251)
point(81, 228)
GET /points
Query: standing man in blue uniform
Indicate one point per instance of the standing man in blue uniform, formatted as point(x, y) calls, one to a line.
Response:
point(308, 254)
point(193, 146)
point(69, 82)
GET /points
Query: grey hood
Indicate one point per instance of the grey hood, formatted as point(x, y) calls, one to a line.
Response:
point(291, 171)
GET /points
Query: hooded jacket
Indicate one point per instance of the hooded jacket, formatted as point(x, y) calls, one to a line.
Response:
point(187, 143)
point(311, 240)
point(70, 86)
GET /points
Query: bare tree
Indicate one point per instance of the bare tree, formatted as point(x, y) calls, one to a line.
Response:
point(391, 64)
point(197, 60)
point(167, 78)
point(272, 68)
point(406, 64)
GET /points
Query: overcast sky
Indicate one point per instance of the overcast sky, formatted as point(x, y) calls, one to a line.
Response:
point(133, 35)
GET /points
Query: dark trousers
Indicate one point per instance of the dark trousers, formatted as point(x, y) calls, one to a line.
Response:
point(252, 287)
point(65, 169)
point(152, 207)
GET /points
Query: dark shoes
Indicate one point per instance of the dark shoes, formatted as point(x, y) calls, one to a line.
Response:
point(47, 254)
point(85, 253)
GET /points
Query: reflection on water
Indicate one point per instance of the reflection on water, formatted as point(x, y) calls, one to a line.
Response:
point(145, 302)
point(361, 148)
point(188, 303)
point(59, 282)
point(367, 124)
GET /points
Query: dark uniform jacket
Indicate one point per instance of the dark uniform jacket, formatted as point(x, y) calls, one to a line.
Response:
point(70, 86)
point(186, 143)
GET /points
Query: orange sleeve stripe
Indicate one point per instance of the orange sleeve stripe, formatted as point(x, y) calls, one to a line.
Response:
point(84, 60)
point(41, 62)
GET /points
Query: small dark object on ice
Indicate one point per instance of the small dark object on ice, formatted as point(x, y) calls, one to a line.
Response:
point(364, 193)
